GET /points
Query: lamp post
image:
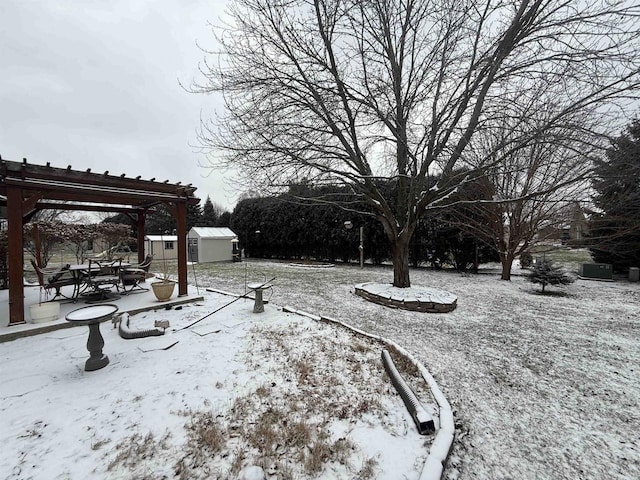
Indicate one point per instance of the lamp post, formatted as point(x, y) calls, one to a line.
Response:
point(349, 225)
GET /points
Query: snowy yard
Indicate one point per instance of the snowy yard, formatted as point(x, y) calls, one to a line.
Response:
point(235, 392)
point(544, 387)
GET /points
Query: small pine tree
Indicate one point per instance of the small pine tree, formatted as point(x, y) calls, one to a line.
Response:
point(545, 273)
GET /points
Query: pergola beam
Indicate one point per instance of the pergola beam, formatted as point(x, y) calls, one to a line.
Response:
point(49, 173)
point(59, 190)
point(89, 207)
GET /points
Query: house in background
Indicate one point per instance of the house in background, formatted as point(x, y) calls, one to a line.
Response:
point(211, 244)
point(161, 246)
point(570, 228)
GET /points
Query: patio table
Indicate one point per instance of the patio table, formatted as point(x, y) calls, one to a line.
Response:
point(81, 272)
point(92, 316)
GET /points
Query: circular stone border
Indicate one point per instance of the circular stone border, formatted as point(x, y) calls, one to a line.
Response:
point(312, 265)
point(415, 299)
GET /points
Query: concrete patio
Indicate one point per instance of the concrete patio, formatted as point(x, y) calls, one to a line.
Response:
point(132, 303)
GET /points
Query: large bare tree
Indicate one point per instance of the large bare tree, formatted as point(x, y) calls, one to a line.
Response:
point(364, 93)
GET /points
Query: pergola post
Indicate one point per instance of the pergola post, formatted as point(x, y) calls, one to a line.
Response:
point(140, 235)
point(181, 224)
point(16, 256)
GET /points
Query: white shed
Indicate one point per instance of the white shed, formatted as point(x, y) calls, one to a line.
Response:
point(161, 246)
point(211, 244)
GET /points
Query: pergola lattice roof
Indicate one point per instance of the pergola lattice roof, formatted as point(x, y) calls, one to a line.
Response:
point(28, 188)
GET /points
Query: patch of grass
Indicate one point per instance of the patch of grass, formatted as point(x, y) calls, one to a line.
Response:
point(316, 455)
point(285, 472)
point(237, 461)
point(304, 370)
point(205, 438)
point(341, 450)
point(265, 434)
point(359, 346)
point(298, 434)
point(137, 448)
point(402, 363)
point(263, 391)
point(364, 406)
point(570, 257)
point(204, 433)
point(368, 469)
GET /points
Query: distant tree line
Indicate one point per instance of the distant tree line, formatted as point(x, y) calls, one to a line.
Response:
point(285, 228)
point(473, 229)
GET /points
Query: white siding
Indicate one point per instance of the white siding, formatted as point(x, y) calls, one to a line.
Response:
point(154, 245)
point(214, 244)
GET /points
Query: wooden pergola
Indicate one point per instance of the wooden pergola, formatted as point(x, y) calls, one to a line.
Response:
point(29, 188)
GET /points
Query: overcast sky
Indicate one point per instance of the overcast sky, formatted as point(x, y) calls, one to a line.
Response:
point(94, 84)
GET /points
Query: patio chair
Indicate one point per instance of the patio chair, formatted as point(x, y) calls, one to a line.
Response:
point(55, 278)
point(101, 278)
point(133, 275)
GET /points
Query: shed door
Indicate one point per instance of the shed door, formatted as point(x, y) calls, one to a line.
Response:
point(192, 251)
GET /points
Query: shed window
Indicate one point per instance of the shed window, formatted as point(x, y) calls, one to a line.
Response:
point(168, 245)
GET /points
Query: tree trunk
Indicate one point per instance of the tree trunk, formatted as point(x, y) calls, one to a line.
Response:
point(400, 258)
point(506, 259)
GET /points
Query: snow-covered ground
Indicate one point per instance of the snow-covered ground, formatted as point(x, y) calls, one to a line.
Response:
point(238, 390)
point(544, 387)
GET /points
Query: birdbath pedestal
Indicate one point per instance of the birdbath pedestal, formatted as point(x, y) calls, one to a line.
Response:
point(258, 306)
point(92, 316)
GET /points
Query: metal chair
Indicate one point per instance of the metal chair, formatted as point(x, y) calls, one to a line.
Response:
point(55, 279)
point(132, 276)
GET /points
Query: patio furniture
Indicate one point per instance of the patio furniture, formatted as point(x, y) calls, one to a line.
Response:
point(101, 282)
point(92, 316)
point(133, 275)
point(55, 279)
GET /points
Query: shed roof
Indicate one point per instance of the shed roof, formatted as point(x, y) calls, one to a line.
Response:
point(222, 233)
point(161, 238)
